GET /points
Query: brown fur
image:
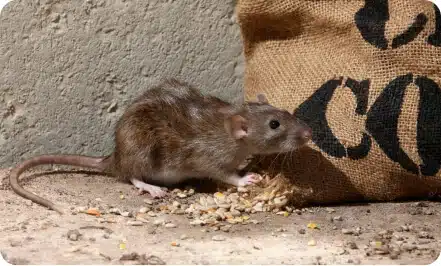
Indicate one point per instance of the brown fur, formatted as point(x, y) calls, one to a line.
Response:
point(173, 132)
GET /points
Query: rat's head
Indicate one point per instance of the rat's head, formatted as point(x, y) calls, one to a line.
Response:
point(266, 129)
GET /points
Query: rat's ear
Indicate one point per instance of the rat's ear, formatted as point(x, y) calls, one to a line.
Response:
point(261, 98)
point(236, 126)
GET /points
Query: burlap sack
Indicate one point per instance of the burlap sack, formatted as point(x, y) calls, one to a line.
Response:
point(365, 75)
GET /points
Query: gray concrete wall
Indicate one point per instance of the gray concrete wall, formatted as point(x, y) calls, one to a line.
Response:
point(69, 67)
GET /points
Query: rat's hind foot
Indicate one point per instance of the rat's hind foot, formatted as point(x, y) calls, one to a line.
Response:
point(154, 191)
point(248, 179)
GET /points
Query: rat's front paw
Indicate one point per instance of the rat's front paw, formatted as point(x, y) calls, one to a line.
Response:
point(248, 179)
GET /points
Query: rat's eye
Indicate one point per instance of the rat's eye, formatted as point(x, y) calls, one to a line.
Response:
point(274, 124)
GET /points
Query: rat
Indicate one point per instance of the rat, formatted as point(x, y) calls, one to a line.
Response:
point(173, 132)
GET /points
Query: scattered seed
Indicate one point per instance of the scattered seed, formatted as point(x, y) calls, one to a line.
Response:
point(151, 214)
point(235, 213)
point(181, 195)
point(93, 212)
point(148, 201)
point(126, 214)
point(144, 210)
point(178, 212)
point(408, 247)
point(398, 237)
point(197, 222)
point(183, 237)
point(280, 201)
point(258, 207)
point(383, 232)
point(313, 226)
point(424, 241)
point(337, 218)
point(170, 225)
point(135, 223)
point(219, 195)
point(242, 189)
point(405, 228)
point(81, 209)
point(159, 222)
point(330, 210)
point(312, 242)
point(218, 238)
point(376, 244)
point(347, 231)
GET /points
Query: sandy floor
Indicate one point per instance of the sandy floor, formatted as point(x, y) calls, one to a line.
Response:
point(381, 233)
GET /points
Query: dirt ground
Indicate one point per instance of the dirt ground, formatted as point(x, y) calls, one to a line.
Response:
point(378, 233)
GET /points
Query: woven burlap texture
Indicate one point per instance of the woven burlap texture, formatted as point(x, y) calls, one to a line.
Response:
point(293, 47)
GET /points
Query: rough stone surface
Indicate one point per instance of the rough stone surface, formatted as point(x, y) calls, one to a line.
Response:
point(69, 68)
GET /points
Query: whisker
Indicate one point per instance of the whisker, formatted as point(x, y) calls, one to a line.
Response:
point(272, 163)
point(283, 161)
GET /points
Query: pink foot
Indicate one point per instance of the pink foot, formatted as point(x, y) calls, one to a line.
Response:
point(154, 191)
point(248, 179)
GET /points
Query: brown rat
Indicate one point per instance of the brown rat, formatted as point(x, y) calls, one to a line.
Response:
point(172, 132)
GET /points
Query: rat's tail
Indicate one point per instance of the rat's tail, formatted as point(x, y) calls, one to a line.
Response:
point(98, 163)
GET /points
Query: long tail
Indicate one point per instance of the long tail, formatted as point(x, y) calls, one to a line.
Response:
point(98, 163)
